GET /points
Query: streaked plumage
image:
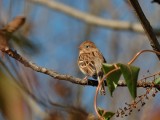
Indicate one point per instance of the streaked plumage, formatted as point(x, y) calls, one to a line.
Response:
point(90, 61)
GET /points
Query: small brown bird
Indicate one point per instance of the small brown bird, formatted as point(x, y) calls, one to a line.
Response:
point(90, 62)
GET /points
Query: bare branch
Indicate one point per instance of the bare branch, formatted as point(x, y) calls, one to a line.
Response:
point(51, 73)
point(146, 25)
point(69, 78)
point(91, 19)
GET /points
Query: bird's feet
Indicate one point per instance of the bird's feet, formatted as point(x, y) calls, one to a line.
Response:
point(102, 92)
point(86, 79)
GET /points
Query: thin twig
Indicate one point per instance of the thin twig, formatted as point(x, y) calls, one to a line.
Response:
point(37, 68)
point(139, 53)
point(117, 68)
point(58, 76)
point(97, 90)
point(157, 73)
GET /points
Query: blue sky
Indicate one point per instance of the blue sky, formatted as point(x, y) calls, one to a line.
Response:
point(59, 36)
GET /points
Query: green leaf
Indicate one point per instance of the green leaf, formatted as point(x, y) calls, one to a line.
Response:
point(104, 114)
point(157, 81)
point(113, 78)
point(130, 74)
point(100, 111)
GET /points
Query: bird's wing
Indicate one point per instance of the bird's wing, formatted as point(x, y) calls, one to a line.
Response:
point(86, 65)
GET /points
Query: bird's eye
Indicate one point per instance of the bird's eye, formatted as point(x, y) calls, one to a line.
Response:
point(87, 46)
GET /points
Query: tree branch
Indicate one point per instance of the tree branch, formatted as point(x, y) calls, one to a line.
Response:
point(33, 66)
point(91, 19)
point(68, 78)
point(146, 25)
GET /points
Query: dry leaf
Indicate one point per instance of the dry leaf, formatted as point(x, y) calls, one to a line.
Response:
point(15, 24)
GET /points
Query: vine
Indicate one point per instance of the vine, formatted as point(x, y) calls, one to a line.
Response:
point(140, 99)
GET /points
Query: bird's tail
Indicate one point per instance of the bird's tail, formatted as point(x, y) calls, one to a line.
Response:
point(102, 87)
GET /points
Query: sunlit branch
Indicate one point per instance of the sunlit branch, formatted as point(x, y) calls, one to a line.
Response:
point(91, 19)
point(64, 77)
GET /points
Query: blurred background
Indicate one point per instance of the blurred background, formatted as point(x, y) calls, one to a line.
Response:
point(50, 38)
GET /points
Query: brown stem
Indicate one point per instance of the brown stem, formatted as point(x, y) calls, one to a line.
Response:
point(59, 76)
point(138, 54)
point(98, 87)
point(117, 68)
point(157, 73)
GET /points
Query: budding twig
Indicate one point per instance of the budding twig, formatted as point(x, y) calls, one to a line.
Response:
point(117, 68)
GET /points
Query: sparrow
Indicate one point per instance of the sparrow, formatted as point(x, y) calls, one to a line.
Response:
point(90, 62)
